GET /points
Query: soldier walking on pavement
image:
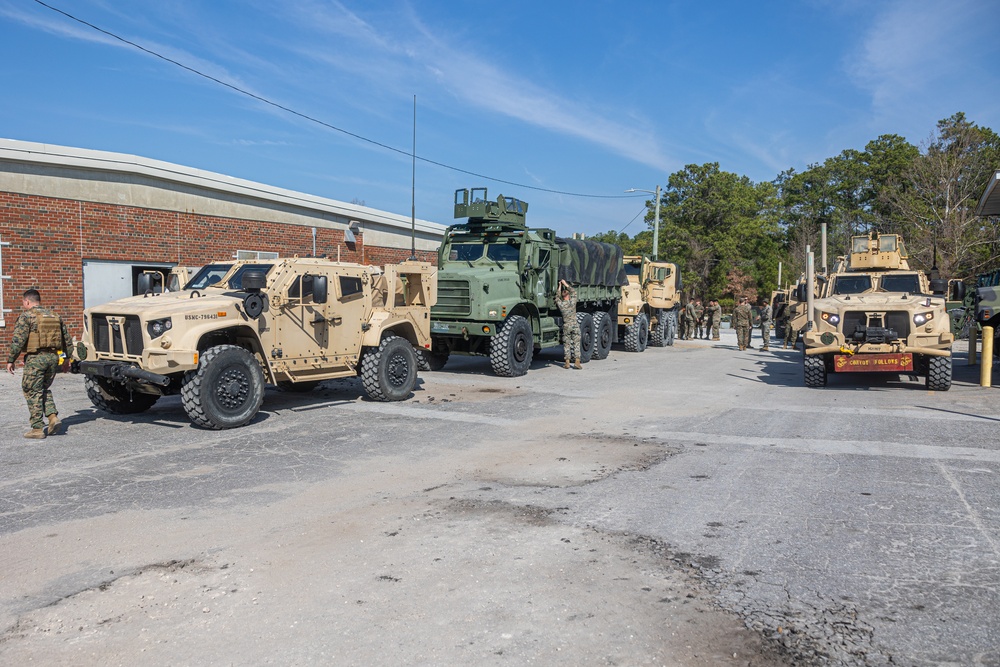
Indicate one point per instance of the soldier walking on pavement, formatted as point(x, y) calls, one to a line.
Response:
point(714, 316)
point(742, 320)
point(566, 300)
point(40, 333)
point(765, 323)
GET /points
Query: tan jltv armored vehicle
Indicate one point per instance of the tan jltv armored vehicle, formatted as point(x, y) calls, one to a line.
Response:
point(875, 314)
point(290, 322)
point(647, 312)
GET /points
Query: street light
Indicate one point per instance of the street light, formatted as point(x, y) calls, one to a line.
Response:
point(656, 224)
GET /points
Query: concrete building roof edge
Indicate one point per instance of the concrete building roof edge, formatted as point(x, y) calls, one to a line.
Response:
point(14, 150)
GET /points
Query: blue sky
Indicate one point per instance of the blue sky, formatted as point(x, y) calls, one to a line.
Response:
point(590, 97)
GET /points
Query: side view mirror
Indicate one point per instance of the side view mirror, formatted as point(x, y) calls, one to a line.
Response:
point(321, 289)
point(254, 281)
point(958, 292)
point(801, 293)
point(145, 283)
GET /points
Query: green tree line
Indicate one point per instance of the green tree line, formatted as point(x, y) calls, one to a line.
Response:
point(728, 234)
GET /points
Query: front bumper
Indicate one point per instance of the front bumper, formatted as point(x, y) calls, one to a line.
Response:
point(931, 345)
point(121, 372)
point(463, 330)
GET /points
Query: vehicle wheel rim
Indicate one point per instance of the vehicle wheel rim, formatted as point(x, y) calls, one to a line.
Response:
point(398, 370)
point(233, 388)
point(520, 348)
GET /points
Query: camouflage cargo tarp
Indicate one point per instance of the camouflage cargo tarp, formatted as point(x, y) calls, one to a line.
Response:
point(591, 263)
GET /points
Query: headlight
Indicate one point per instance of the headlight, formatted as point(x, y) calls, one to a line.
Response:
point(832, 318)
point(921, 318)
point(157, 328)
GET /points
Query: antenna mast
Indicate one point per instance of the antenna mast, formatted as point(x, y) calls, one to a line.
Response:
point(413, 187)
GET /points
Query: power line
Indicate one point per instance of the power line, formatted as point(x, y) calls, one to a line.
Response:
point(312, 119)
point(644, 209)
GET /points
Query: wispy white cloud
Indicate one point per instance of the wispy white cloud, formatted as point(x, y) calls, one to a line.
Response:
point(416, 51)
point(61, 26)
point(913, 47)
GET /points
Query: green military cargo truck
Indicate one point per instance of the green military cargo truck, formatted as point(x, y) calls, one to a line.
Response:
point(497, 285)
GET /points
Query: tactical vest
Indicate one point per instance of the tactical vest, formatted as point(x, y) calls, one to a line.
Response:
point(47, 334)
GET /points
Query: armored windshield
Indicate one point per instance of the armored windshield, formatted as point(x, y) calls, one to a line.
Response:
point(210, 273)
point(632, 269)
point(236, 280)
point(852, 284)
point(907, 282)
point(470, 252)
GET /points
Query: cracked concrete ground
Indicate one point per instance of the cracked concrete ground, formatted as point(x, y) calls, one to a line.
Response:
point(685, 506)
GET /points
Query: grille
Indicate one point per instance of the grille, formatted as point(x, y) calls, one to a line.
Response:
point(453, 298)
point(129, 335)
point(898, 321)
point(101, 329)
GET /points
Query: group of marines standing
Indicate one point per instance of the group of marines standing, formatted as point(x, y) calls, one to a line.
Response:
point(697, 320)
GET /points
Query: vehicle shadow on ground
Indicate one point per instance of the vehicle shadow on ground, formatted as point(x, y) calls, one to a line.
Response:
point(480, 365)
point(783, 367)
point(168, 412)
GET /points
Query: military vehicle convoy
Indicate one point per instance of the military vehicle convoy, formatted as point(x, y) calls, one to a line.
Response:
point(497, 285)
point(650, 303)
point(290, 322)
point(875, 314)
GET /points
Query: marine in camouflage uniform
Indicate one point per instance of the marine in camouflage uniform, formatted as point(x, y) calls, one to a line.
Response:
point(699, 319)
point(689, 312)
point(765, 323)
point(566, 300)
point(742, 321)
point(791, 334)
point(713, 315)
point(40, 334)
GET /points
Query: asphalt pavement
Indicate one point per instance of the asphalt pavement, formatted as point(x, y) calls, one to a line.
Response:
point(688, 505)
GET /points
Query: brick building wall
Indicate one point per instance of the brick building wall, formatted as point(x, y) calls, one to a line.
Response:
point(50, 238)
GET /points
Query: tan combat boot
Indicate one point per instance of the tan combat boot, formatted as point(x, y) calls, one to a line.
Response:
point(566, 365)
point(35, 434)
point(55, 426)
point(578, 366)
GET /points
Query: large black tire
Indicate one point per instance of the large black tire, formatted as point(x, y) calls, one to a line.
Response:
point(603, 335)
point(226, 390)
point(671, 333)
point(586, 323)
point(389, 372)
point(939, 373)
point(637, 334)
point(814, 371)
point(115, 397)
point(512, 348)
point(298, 387)
point(431, 361)
point(658, 331)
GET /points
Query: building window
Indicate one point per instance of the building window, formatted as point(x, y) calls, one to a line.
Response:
point(255, 254)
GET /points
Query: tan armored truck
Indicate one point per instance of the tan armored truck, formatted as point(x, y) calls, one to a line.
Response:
point(875, 314)
point(289, 322)
point(647, 311)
